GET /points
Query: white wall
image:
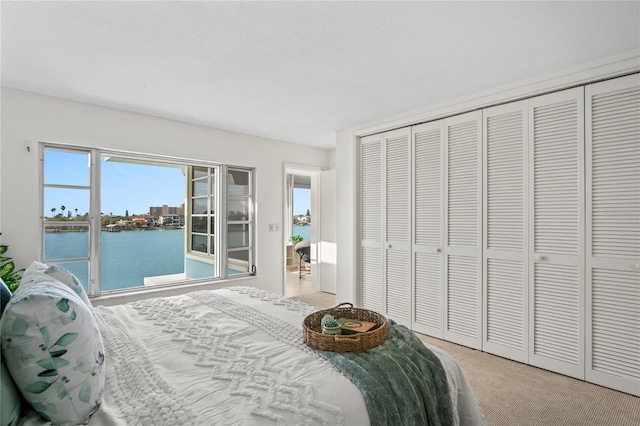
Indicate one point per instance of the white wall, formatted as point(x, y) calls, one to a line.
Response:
point(327, 258)
point(28, 116)
point(346, 168)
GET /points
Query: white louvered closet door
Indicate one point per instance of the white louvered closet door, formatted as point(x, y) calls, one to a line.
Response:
point(613, 233)
point(397, 212)
point(505, 289)
point(556, 233)
point(463, 229)
point(371, 290)
point(428, 166)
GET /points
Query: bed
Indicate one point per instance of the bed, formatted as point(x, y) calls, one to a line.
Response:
point(233, 356)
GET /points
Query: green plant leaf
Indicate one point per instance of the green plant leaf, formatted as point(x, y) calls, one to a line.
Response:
point(52, 363)
point(6, 269)
point(85, 392)
point(66, 339)
point(73, 315)
point(63, 305)
point(62, 393)
point(13, 286)
point(56, 354)
point(3, 249)
point(48, 373)
point(44, 331)
point(37, 387)
point(19, 326)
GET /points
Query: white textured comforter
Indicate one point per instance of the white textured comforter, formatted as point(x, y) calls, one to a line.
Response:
point(232, 357)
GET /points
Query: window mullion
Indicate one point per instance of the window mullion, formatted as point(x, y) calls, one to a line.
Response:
point(221, 223)
point(95, 225)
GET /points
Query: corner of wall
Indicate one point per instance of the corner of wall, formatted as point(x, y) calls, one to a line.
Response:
point(345, 156)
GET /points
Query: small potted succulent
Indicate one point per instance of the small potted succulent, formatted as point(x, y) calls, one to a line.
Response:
point(330, 325)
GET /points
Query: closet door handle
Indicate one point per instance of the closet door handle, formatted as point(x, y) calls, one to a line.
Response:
point(436, 250)
point(637, 265)
point(538, 258)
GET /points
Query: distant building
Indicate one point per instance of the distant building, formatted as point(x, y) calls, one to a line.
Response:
point(149, 219)
point(169, 220)
point(165, 209)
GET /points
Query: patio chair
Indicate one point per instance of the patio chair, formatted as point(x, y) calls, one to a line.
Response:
point(303, 248)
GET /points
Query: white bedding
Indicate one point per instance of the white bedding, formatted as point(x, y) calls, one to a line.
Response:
point(202, 359)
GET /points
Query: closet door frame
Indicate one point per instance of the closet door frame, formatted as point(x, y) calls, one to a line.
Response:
point(460, 252)
point(429, 250)
point(576, 369)
point(506, 350)
point(618, 264)
point(395, 245)
point(371, 272)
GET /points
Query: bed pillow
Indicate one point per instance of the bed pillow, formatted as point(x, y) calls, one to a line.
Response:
point(10, 402)
point(61, 274)
point(53, 348)
point(10, 405)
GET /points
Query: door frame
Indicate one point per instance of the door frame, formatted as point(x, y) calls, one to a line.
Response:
point(315, 174)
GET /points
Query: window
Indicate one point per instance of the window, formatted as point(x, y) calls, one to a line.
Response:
point(239, 234)
point(203, 208)
point(66, 195)
point(122, 220)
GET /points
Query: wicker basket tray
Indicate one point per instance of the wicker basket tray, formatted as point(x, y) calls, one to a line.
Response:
point(357, 342)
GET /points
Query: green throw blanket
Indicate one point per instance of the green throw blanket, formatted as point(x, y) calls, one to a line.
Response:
point(402, 381)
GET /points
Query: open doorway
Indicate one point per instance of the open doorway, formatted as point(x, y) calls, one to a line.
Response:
point(301, 230)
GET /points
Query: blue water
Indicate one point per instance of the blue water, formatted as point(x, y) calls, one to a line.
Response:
point(127, 257)
point(303, 231)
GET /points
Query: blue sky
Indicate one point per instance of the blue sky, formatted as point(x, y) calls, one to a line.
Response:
point(301, 200)
point(125, 186)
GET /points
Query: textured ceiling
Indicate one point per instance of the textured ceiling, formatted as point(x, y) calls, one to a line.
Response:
point(297, 71)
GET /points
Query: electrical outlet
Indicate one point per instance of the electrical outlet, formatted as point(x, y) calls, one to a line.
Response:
point(271, 227)
point(277, 227)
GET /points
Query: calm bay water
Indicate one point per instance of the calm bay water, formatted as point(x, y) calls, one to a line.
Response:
point(303, 231)
point(128, 256)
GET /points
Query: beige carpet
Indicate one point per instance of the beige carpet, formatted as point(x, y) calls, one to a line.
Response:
point(319, 299)
point(515, 394)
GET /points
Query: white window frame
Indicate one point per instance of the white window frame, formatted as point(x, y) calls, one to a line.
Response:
point(94, 222)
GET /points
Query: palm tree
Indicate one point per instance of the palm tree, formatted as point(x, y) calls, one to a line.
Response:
point(53, 212)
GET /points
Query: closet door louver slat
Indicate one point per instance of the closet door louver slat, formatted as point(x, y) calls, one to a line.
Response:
point(397, 145)
point(556, 235)
point(398, 283)
point(505, 269)
point(371, 290)
point(371, 190)
point(505, 305)
point(463, 229)
point(428, 141)
point(371, 273)
point(397, 188)
point(428, 294)
point(613, 233)
point(557, 314)
point(463, 312)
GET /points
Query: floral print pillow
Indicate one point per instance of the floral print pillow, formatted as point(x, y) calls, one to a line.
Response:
point(53, 349)
point(59, 273)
